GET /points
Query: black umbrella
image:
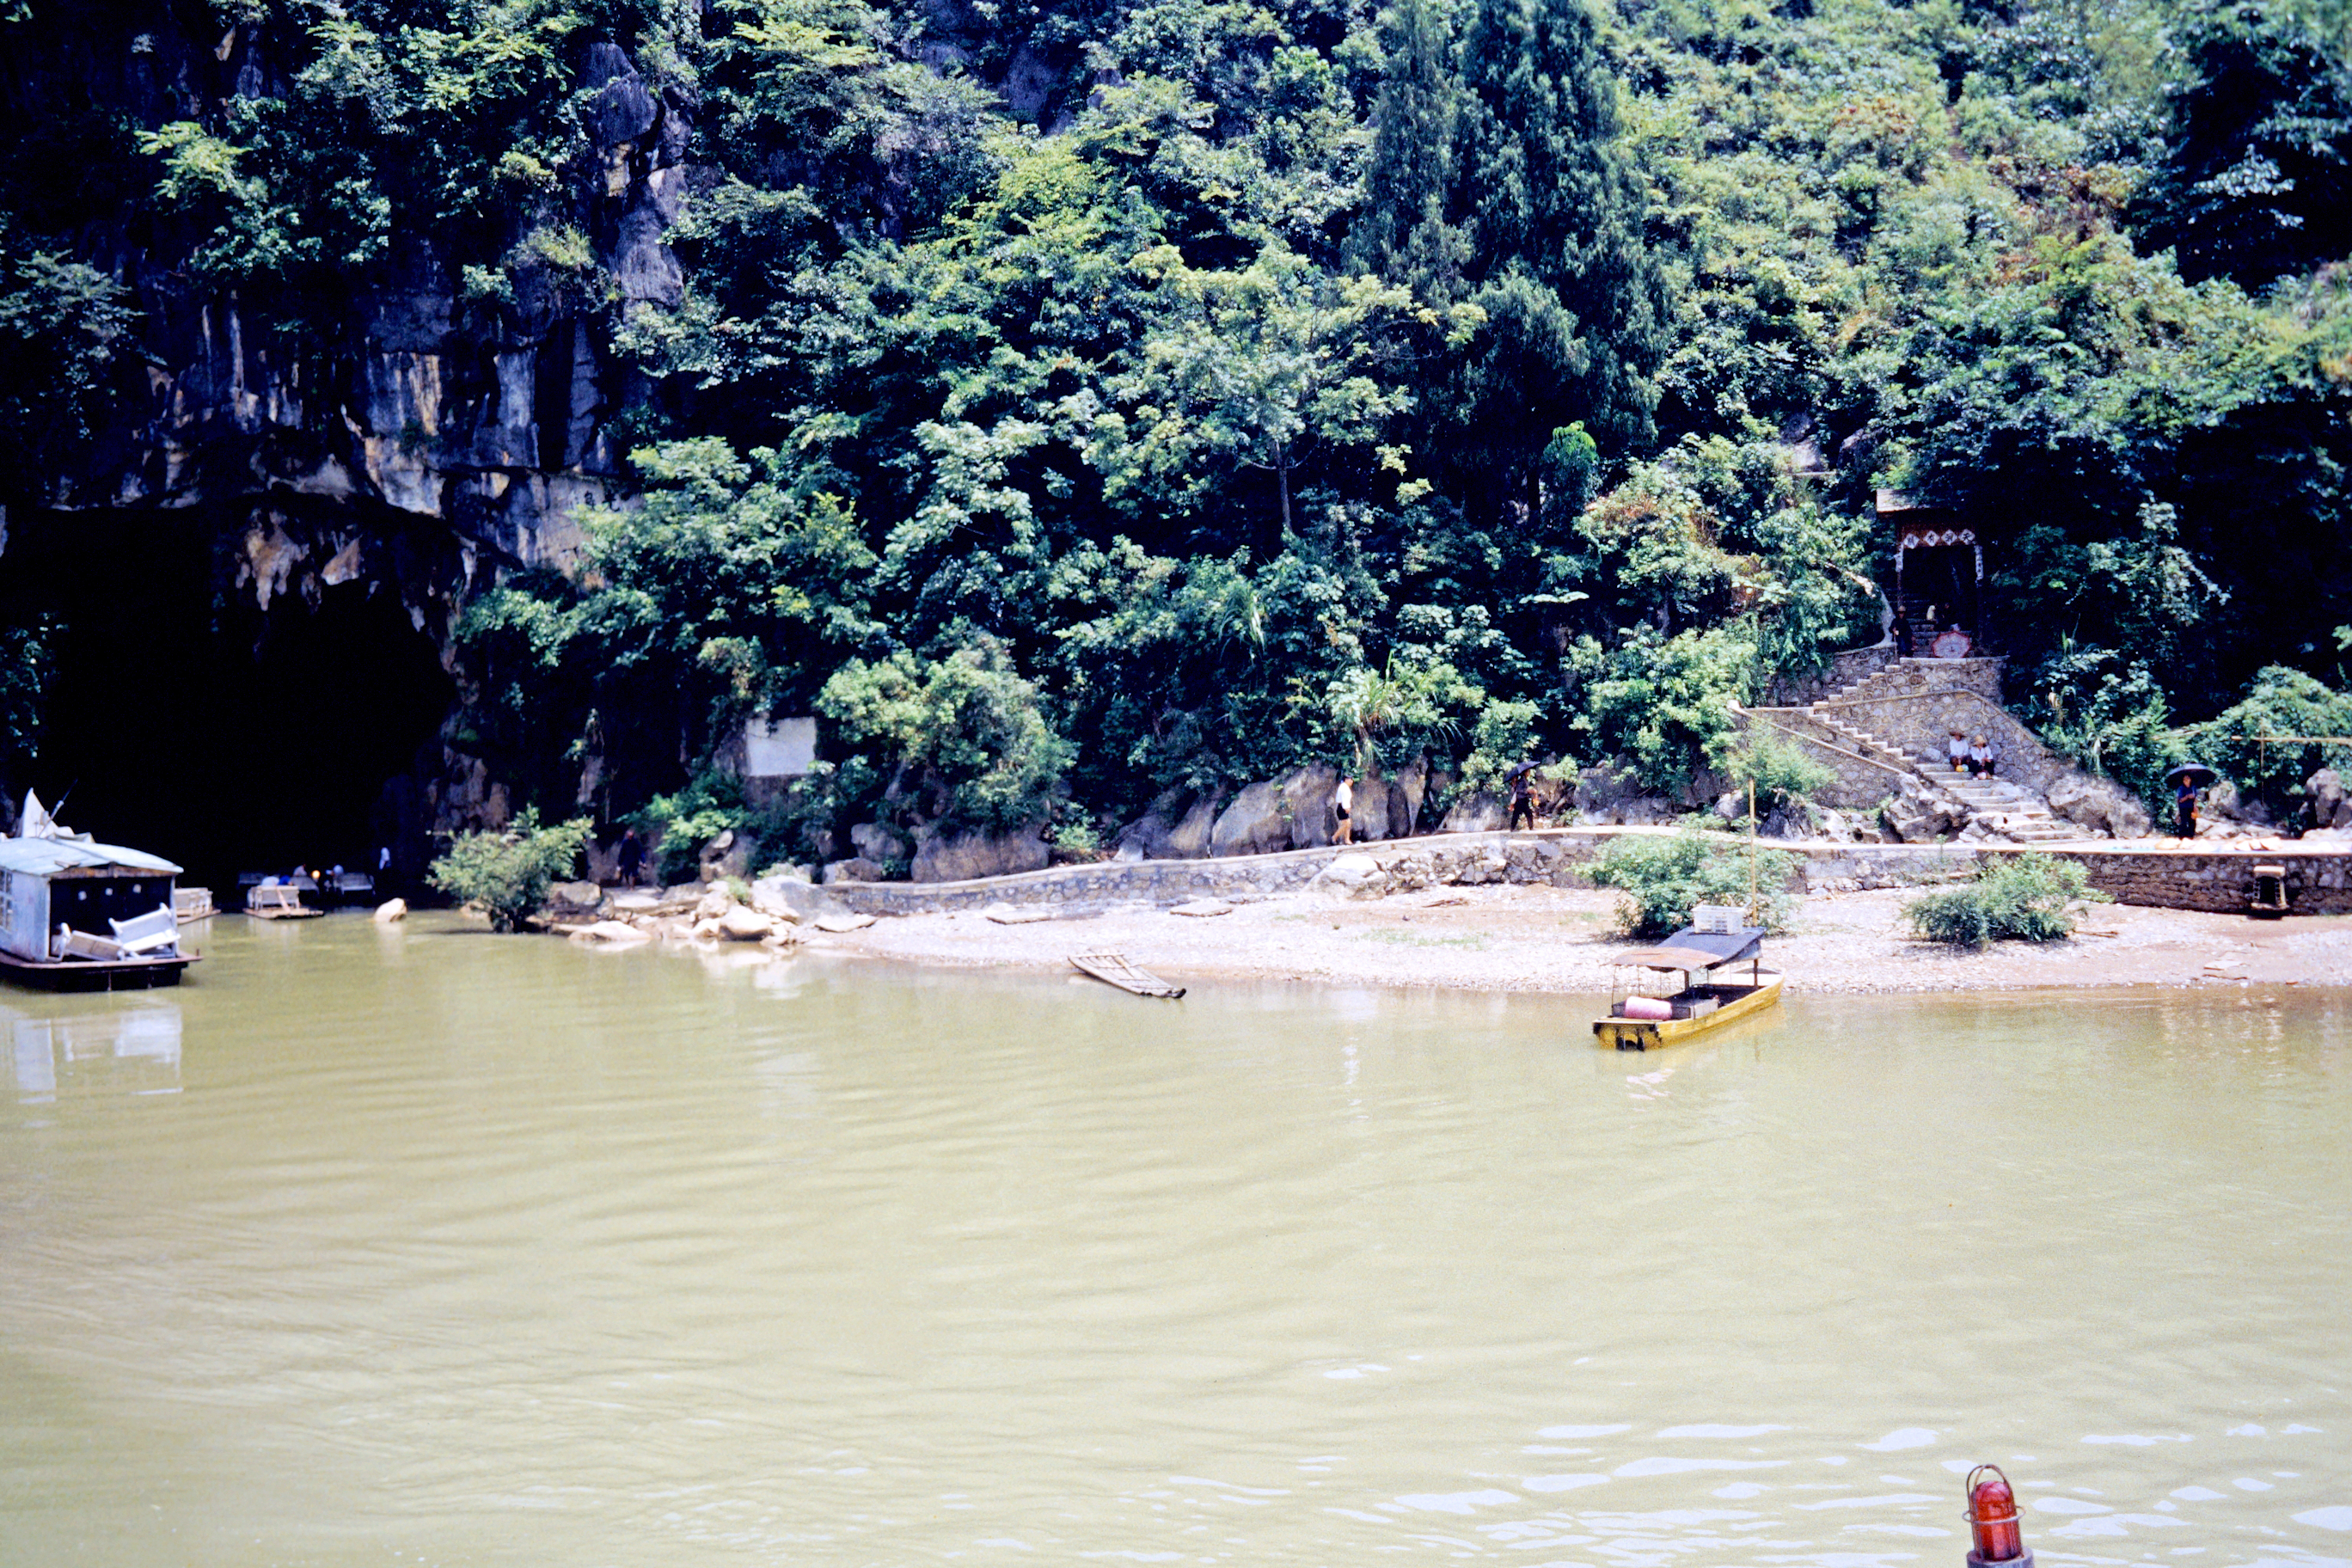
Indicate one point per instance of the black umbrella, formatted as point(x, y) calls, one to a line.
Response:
point(1522, 768)
point(2197, 774)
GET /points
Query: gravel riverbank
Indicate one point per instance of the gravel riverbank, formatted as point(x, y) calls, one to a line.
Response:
point(1543, 938)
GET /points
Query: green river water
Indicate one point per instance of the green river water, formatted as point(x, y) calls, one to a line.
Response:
point(420, 1246)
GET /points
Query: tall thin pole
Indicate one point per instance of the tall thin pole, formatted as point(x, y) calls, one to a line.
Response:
point(1752, 900)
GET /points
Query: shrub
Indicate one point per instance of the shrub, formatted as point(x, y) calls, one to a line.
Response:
point(2012, 897)
point(1783, 771)
point(1659, 879)
point(508, 873)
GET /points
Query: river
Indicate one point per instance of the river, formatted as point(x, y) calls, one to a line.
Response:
point(418, 1245)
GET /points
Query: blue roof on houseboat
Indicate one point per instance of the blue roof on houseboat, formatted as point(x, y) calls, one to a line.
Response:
point(47, 856)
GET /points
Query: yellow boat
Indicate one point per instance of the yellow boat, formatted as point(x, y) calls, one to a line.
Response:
point(1704, 1002)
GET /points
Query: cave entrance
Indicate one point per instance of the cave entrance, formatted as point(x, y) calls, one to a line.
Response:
point(188, 722)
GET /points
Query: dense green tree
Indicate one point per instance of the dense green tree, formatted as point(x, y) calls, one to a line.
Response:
point(2254, 182)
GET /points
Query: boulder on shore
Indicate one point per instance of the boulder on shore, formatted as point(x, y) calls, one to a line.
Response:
point(577, 895)
point(739, 924)
point(610, 933)
point(857, 869)
point(792, 899)
point(1257, 823)
point(1350, 876)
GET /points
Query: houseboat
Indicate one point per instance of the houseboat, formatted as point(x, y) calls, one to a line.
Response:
point(1648, 1010)
point(81, 915)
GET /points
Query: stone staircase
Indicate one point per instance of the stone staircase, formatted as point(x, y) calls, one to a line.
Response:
point(1999, 808)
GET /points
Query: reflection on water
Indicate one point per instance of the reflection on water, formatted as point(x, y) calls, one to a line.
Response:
point(479, 1250)
point(126, 1044)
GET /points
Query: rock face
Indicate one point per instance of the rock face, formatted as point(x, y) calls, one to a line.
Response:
point(1257, 823)
point(956, 858)
point(1477, 811)
point(2331, 806)
point(1409, 788)
point(2097, 805)
point(382, 439)
point(1372, 813)
point(875, 842)
point(1191, 838)
point(1310, 796)
point(857, 869)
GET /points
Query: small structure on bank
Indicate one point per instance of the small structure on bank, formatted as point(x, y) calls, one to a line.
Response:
point(1939, 606)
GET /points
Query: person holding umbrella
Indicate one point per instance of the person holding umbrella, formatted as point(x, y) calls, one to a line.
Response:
point(2186, 781)
point(1523, 796)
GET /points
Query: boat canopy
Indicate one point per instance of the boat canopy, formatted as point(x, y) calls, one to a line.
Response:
point(47, 856)
point(1692, 948)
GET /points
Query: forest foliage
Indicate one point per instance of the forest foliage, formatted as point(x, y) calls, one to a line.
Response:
point(1084, 400)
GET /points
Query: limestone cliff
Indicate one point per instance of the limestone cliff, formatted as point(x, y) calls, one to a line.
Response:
point(381, 432)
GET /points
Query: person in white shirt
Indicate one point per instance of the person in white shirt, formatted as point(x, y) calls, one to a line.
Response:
point(1956, 749)
point(1343, 804)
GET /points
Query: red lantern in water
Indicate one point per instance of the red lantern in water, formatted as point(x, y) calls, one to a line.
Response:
point(1992, 1516)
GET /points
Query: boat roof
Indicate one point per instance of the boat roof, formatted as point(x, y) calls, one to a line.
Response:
point(47, 856)
point(1691, 948)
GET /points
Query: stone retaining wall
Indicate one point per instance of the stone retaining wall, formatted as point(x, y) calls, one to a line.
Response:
point(2319, 882)
point(1549, 856)
point(1858, 779)
point(1844, 670)
point(2219, 881)
point(1925, 723)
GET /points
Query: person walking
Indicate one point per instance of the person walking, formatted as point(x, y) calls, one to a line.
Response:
point(632, 858)
point(2184, 808)
point(1522, 798)
point(1343, 804)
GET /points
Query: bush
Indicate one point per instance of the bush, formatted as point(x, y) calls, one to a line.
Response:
point(508, 873)
point(2021, 897)
point(1783, 771)
point(1661, 879)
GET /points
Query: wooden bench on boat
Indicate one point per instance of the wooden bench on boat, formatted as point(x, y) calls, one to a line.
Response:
point(192, 904)
point(1114, 968)
point(278, 901)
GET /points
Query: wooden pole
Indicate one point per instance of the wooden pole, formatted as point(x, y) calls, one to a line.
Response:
point(1751, 850)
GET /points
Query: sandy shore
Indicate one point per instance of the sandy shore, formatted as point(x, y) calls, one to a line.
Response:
point(1542, 939)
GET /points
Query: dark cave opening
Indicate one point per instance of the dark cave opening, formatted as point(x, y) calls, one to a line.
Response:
point(188, 722)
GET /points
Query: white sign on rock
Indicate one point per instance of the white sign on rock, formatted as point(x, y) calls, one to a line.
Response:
point(779, 748)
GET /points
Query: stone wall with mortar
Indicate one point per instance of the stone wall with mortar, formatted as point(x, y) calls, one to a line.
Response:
point(1842, 670)
point(2319, 883)
point(1547, 855)
point(1858, 779)
point(1925, 722)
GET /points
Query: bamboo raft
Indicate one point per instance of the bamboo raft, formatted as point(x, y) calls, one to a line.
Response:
point(1113, 969)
